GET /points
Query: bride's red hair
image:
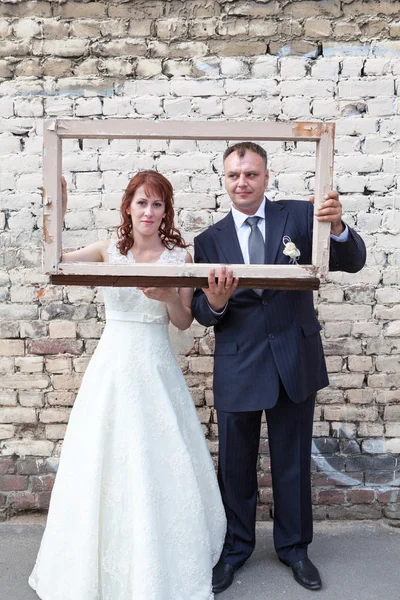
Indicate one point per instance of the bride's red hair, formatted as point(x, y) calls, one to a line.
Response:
point(153, 182)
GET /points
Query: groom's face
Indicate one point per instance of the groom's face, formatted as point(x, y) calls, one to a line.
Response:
point(245, 181)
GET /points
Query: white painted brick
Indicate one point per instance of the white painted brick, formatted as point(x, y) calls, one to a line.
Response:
point(148, 67)
point(23, 293)
point(381, 107)
point(17, 415)
point(326, 68)
point(265, 66)
point(391, 221)
point(117, 106)
point(7, 110)
point(345, 144)
point(7, 432)
point(296, 107)
point(62, 329)
point(26, 28)
point(292, 184)
point(234, 67)
point(11, 347)
point(113, 181)
point(357, 126)
point(352, 66)
point(87, 107)
point(107, 218)
point(60, 106)
point(365, 329)
point(392, 446)
point(236, 107)
point(287, 163)
point(136, 89)
point(208, 107)
point(189, 200)
point(378, 66)
point(78, 220)
point(182, 146)
point(369, 221)
point(328, 108)
point(29, 364)
point(60, 365)
point(366, 87)
point(177, 107)
point(54, 415)
point(380, 183)
point(79, 161)
point(350, 312)
point(197, 88)
point(27, 447)
point(29, 181)
point(307, 87)
point(374, 144)
point(251, 87)
point(28, 107)
point(149, 105)
point(21, 163)
point(184, 162)
point(31, 399)
point(55, 432)
point(351, 183)
point(24, 382)
point(88, 181)
point(8, 398)
point(294, 67)
point(7, 365)
point(266, 107)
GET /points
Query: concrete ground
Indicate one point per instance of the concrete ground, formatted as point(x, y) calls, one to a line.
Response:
point(357, 560)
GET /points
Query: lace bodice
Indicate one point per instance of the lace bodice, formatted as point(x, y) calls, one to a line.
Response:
point(131, 304)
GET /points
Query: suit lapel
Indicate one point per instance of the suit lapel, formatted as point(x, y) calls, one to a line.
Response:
point(275, 220)
point(228, 240)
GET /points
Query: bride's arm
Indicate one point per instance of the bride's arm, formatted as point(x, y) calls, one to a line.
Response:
point(179, 306)
point(178, 302)
point(96, 252)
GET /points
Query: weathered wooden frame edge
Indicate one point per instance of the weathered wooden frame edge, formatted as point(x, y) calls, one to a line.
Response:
point(257, 276)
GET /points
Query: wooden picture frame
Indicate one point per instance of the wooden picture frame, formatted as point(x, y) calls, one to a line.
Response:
point(303, 277)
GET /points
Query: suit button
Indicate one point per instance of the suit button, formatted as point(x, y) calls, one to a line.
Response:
point(265, 302)
point(271, 336)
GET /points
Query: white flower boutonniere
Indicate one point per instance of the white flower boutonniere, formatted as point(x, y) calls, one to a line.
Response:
point(290, 250)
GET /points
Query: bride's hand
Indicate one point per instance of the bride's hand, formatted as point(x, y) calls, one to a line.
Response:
point(160, 294)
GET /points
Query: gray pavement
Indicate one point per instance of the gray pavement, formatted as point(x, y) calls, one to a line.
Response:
point(357, 560)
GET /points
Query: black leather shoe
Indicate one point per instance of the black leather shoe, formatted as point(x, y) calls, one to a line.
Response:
point(305, 573)
point(222, 578)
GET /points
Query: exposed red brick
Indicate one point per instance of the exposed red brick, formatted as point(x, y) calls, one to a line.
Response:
point(360, 496)
point(30, 466)
point(58, 346)
point(331, 497)
point(22, 501)
point(7, 465)
point(11, 483)
point(43, 483)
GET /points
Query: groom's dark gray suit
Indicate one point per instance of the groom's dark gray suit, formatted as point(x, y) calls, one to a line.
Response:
point(268, 355)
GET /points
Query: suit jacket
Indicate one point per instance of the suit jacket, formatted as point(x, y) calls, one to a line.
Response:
point(260, 340)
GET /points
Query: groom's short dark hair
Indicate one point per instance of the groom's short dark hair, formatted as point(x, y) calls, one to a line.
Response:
point(242, 147)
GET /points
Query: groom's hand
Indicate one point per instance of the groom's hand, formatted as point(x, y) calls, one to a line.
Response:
point(331, 211)
point(218, 293)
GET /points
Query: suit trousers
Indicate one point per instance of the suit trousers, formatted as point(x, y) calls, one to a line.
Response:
point(290, 436)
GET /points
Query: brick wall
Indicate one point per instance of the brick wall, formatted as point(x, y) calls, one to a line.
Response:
point(202, 60)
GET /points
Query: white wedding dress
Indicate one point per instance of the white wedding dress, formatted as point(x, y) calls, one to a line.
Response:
point(135, 512)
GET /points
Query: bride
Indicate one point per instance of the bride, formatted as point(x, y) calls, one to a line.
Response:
point(135, 512)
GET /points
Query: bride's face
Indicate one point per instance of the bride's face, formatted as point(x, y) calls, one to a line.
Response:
point(146, 211)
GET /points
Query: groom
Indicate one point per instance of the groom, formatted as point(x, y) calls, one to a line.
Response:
point(268, 356)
